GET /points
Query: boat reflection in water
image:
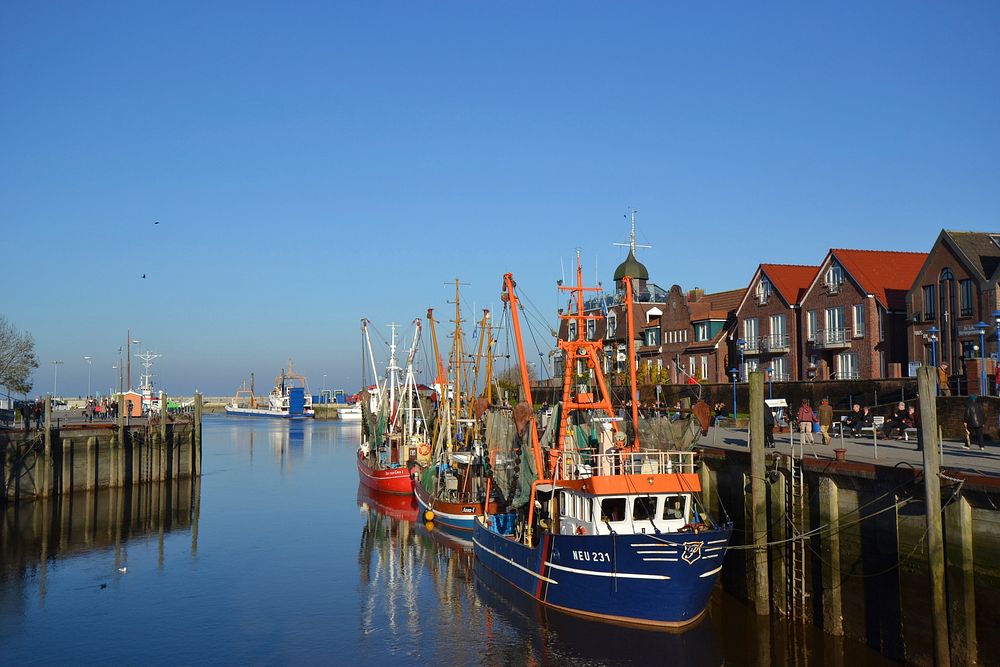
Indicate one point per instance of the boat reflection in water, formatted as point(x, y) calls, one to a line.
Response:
point(420, 590)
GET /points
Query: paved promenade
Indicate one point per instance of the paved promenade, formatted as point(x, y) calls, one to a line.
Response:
point(863, 450)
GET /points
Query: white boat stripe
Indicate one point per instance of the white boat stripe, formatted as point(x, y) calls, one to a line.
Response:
point(623, 575)
point(517, 565)
point(711, 556)
point(717, 542)
point(715, 548)
point(661, 553)
point(669, 560)
point(710, 572)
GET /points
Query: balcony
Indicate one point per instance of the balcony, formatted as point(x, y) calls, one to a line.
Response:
point(831, 339)
point(751, 346)
point(775, 343)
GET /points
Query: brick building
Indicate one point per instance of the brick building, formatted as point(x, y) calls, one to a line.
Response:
point(854, 314)
point(769, 321)
point(954, 290)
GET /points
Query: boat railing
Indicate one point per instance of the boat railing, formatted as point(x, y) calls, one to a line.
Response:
point(582, 463)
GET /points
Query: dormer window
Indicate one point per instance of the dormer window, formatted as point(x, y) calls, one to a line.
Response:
point(763, 291)
point(834, 277)
point(612, 325)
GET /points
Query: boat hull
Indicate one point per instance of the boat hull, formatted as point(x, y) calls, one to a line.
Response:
point(273, 414)
point(453, 516)
point(662, 580)
point(386, 480)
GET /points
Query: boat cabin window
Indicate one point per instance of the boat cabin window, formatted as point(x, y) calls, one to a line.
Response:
point(565, 503)
point(613, 509)
point(585, 509)
point(644, 509)
point(673, 507)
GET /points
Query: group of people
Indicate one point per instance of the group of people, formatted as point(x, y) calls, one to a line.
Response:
point(32, 412)
point(857, 422)
point(106, 408)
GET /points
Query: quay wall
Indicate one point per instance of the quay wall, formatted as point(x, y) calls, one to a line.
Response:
point(862, 569)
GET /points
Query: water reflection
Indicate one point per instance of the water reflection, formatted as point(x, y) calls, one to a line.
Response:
point(36, 536)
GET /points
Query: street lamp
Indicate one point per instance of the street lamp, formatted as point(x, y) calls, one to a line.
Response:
point(736, 374)
point(770, 381)
point(55, 378)
point(932, 333)
point(742, 344)
point(87, 359)
point(982, 327)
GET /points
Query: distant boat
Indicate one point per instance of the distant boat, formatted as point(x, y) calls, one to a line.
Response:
point(290, 399)
point(349, 413)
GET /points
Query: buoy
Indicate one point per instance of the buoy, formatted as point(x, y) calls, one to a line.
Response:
point(424, 450)
point(580, 530)
point(429, 516)
point(429, 525)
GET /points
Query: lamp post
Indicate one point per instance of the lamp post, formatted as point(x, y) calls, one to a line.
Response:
point(736, 375)
point(982, 326)
point(87, 359)
point(933, 332)
point(742, 344)
point(55, 378)
point(770, 381)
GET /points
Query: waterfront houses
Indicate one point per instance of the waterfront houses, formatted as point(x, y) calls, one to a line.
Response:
point(854, 314)
point(954, 291)
point(769, 322)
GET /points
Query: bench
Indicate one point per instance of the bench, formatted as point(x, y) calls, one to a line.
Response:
point(877, 423)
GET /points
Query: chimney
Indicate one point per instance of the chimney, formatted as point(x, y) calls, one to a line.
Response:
point(696, 294)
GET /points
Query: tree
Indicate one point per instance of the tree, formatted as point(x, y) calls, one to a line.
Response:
point(509, 381)
point(17, 357)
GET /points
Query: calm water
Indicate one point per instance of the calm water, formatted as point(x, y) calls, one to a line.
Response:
point(277, 557)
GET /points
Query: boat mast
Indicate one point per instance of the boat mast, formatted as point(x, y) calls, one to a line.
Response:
point(410, 383)
point(371, 358)
point(437, 354)
point(484, 334)
point(392, 374)
point(458, 356)
point(510, 297)
point(580, 355)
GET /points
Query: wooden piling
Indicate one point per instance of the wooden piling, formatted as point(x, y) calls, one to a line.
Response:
point(926, 389)
point(829, 517)
point(196, 450)
point(66, 470)
point(758, 493)
point(961, 582)
point(91, 482)
point(778, 534)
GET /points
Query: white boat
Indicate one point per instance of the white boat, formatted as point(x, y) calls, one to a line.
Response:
point(349, 413)
point(290, 399)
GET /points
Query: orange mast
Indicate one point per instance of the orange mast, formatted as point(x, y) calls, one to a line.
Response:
point(576, 352)
point(634, 390)
point(509, 296)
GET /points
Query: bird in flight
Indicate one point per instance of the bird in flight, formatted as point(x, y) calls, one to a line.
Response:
point(144, 276)
point(157, 222)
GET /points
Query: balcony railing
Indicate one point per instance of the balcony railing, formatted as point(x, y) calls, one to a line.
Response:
point(832, 338)
point(775, 343)
point(751, 346)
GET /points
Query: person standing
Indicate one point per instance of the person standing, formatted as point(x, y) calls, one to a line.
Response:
point(768, 427)
point(825, 420)
point(806, 417)
point(973, 420)
point(943, 379)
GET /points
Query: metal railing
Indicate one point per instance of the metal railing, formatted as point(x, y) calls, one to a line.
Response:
point(774, 342)
point(827, 338)
point(582, 464)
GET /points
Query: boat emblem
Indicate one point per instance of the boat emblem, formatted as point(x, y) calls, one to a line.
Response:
point(692, 552)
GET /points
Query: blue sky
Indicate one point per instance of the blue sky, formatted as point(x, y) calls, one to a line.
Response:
point(314, 163)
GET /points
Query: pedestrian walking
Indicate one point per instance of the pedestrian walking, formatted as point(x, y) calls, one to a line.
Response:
point(806, 417)
point(768, 427)
point(825, 420)
point(943, 379)
point(973, 421)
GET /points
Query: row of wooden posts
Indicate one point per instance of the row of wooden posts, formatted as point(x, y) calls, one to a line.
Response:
point(926, 387)
point(124, 457)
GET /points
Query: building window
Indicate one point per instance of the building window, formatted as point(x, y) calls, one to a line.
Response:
point(652, 337)
point(858, 314)
point(847, 366)
point(612, 325)
point(965, 293)
point(779, 369)
point(750, 332)
point(704, 367)
point(834, 276)
point(701, 331)
point(763, 291)
point(571, 331)
point(930, 298)
point(812, 324)
point(591, 329)
point(778, 338)
point(691, 369)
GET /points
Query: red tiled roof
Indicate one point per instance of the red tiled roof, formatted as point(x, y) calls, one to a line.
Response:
point(716, 306)
point(790, 280)
point(887, 274)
